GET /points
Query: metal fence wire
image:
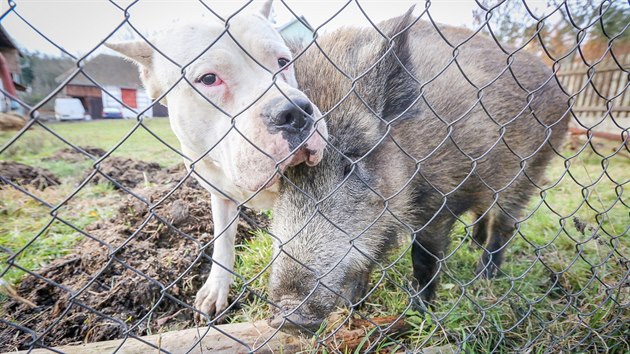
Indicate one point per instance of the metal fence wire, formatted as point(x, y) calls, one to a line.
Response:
point(510, 139)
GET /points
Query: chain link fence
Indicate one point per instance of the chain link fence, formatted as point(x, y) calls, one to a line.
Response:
point(415, 187)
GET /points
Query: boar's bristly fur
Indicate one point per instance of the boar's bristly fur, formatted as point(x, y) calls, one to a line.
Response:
point(421, 131)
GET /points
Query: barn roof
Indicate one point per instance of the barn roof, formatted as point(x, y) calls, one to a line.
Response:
point(301, 20)
point(5, 39)
point(107, 70)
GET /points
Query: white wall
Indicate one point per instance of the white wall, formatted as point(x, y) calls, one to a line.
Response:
point(142, 100)
point(109, 101)
point(4, 103)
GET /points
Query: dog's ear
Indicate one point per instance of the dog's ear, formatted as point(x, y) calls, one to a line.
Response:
point(138, 51)
point(265, 9)
point(141, 54)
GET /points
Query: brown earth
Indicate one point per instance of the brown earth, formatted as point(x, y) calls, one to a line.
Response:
point(11, 121)
point(23, 175)
point(72, 155)
point(130, 173)
point(110, 286)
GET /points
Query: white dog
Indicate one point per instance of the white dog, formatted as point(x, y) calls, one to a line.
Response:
point(227, 112)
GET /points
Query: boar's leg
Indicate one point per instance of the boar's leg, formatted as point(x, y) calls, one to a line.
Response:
point(359, 287)
point(500, 228)
point(427, 254)
point(480, 231)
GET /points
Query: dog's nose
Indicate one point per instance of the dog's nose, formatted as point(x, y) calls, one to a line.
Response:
point(294, 117)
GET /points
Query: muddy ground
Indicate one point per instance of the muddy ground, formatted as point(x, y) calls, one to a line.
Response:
point(72, 155)
point(121, 274)
point(24, 175)
point(130, 173)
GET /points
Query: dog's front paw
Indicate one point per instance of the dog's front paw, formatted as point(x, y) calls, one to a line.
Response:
point(212, 298)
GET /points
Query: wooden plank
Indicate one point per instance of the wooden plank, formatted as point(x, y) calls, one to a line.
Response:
point(616, 92)
point(585, 69)
point(586, 91)
point(578, 109)
point(82, 91)
point(244, 338)
point(216, 341)
point(569, 83)
point(593, 98)
point(597, 134)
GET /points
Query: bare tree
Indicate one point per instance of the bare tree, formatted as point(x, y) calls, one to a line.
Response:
point(562, 25)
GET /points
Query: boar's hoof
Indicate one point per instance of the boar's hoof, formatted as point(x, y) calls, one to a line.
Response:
point(422, 304)
point(422, 301)
point(487, 269)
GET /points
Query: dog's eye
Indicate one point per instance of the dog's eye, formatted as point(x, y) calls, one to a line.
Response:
point(210, 80)
point(282, 62)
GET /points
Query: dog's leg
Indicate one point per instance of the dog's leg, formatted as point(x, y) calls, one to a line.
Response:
point(212, 298)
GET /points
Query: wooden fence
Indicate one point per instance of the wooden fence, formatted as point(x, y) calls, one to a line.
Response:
point(601, 96)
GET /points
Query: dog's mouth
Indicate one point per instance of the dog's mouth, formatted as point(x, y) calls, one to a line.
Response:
point(305, 154)
point(312, 151)
point(310, 157)
point(265, 174)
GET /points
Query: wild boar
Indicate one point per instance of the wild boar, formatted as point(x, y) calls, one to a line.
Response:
point(423, 127)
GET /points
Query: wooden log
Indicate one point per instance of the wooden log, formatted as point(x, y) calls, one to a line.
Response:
point(247, 337)
point(597, 134)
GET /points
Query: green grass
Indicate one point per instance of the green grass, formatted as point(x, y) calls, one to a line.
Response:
point(37, 144)
point(25, 220)
point(505, 314)
point(253, 258)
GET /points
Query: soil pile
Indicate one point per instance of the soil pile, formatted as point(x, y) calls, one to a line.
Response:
point(23, 175)
point(11, 121)
point(72, 155)
point(132, 173)
point(131, 270)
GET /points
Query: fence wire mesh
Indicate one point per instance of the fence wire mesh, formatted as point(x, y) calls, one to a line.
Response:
point(415, 187)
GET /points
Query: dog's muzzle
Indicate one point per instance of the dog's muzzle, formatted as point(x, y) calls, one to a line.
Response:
point(292, 118)
point(291, 133)
point(294, 121)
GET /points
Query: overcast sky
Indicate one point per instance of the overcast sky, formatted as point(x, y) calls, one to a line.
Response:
point(80, 25)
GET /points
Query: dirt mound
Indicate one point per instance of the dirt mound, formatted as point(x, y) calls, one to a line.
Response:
point(11, 121)
point(72, 155)
point(26, 175)
point(132, 173)
point(125, 274)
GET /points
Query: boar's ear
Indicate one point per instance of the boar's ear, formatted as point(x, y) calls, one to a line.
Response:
point(141, 54)
point(391, 89)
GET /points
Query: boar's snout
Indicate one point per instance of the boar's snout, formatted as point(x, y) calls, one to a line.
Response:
point(288, 318)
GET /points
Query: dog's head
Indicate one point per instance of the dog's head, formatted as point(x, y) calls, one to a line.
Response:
point(230, 89)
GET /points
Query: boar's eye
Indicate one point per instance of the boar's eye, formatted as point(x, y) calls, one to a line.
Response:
point(347, 170)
